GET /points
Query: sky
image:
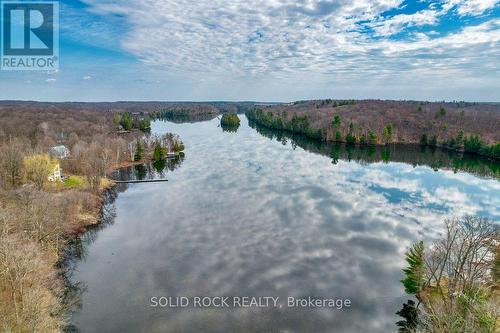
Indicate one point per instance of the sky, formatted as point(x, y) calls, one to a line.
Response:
point(270, 50)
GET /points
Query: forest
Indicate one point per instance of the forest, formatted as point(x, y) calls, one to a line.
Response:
point(38, 217)
point(467, 127)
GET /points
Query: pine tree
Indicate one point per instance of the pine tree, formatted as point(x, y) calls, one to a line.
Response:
point(372, 138)
point(336, 121)
point(126, 121)
point(387, 134)
point(138, 151)
point(158, 153)
point(350, 138)
point(414, 280)
point(424, 140)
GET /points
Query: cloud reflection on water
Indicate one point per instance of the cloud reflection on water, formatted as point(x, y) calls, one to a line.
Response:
point(247, 216)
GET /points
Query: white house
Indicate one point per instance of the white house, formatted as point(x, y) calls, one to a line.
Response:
point(59, 152)
point(56, 173)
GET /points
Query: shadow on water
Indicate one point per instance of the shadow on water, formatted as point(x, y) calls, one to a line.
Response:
point(409, 314)
point(154, 170)
point(180, 117)
point(230, 129)
point(77, 249)
point(415, 155)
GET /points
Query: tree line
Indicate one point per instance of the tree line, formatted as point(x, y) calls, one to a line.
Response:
point(129, 121)
point(352, 134)
point(297, 124)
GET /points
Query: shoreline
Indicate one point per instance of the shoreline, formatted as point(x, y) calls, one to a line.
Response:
point(357, 144)
point(66, 255)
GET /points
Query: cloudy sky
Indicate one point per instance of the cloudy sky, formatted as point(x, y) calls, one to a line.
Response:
point(270, 50)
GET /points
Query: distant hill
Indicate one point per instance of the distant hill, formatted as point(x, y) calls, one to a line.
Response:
point(176, 111)
point(123, 106)
point(447, 123)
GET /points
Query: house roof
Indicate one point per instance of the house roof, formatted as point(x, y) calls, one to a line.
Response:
point(59, 150)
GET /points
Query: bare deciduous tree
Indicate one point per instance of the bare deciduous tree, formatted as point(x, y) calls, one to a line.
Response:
point(12, 161)
point(459, 294)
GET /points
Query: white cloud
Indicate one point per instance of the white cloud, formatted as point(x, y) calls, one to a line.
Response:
point(395, 24)
point(471, 7)
point(278, 50)
point(283, 38)
point(87, 77)
point(50, 80)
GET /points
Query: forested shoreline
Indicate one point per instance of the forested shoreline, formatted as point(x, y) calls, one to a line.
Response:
point(339, 121)
point(48, 200)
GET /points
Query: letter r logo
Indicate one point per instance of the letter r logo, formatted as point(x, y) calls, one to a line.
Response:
point(27, 28)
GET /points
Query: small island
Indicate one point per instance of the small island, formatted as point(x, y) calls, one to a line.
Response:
point(230, 122)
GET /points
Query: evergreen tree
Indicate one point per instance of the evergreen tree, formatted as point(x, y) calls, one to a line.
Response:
point(424, 140)
point(473, 144)
point(230, 120)
point(338, 136)
point(441, 112)
point(138, 151)
point(126, 121)
point(460, 138)
point(350, 138)
point(372, 138)
point(158, 153)
point(336, 121)
point(387, 134)
point(414, 273)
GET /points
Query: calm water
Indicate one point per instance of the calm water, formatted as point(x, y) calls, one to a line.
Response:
point(254, 213)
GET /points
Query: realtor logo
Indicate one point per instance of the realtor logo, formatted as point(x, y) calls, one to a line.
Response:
point(30, 35)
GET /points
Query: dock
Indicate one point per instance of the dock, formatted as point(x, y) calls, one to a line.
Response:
point(140, 181)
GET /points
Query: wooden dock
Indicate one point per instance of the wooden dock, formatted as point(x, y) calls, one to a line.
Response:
point(140, 181)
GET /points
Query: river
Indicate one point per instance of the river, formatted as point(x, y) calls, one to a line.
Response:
point(256, 213)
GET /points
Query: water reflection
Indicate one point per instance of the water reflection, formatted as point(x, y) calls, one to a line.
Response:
point(410, 315)
point(181, 117)
point(153, 170)
point(230, 129)
point(411, 154)
point(249, 216)
point(77, 251)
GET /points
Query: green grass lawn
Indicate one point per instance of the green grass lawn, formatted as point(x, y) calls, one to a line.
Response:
point(74, 182)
